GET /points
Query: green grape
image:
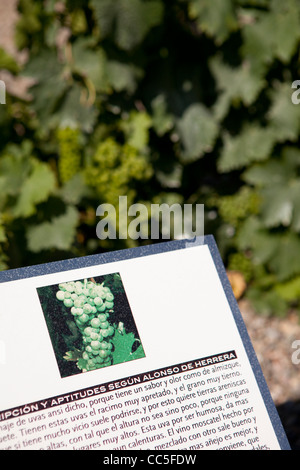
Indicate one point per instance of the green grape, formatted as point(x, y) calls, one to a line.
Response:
point(83, 318)
point(69, 158)
point(108, 304)
point(102, 295)
point(105, 333)
point(99, 360)
point(95, 322)
point(60, 295)
point(110, 330)
point(78, 302)
point(103, 353)
point(87, 308)
point(87, 331)
point(102, 317)
point(74, 311)
point(100, 337)
point(95, 344)
point(98, 301)
point(95, 336)
point(101, 308)
point(70, 287)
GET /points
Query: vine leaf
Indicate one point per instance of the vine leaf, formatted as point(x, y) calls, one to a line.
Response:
point(59, 233)
point(123, 347)
point(198, 131)
point(90, 63)
point(278, 205)
point(122, 76)
point(289, 290)
point(286, 261)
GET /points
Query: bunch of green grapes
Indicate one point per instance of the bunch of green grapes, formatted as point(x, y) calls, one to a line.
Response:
point(238, 206)
point(91, 304)
point(69, 158)
point(113, 169)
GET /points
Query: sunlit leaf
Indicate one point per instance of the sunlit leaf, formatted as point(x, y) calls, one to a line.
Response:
point(35, 189)
point(283, 115)
point(237, 85)
point(58, 234)
point(123, 348)
point(198, 130)
point(217, 19)
point(128, 22)
point(252, 144)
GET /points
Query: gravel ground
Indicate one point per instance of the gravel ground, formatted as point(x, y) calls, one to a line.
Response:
point(272, 338)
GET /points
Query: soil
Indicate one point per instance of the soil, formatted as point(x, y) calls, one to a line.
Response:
point(274, 340)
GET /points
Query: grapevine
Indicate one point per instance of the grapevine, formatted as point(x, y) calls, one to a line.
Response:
point(90, 304)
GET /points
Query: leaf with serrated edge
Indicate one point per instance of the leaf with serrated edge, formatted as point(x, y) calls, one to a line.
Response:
point(58, 234)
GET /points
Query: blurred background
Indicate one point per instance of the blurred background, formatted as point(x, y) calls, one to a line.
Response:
point(175, 101)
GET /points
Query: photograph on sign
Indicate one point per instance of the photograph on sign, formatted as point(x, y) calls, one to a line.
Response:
point(91, 325)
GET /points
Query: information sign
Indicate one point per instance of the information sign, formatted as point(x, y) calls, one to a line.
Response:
point(131, 350)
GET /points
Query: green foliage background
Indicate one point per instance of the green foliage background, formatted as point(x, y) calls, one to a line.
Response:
point(183, 101)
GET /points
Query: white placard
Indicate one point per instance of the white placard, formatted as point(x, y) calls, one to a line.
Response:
point(170, 367)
